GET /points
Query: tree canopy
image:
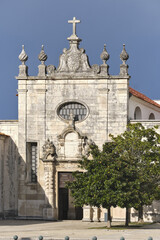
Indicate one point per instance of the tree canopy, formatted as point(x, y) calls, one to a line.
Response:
point(125, 173)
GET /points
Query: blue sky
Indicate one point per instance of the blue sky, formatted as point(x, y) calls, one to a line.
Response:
point(114, 22)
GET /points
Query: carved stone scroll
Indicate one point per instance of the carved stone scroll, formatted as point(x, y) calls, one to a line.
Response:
point(49, 151)
point(49, 172)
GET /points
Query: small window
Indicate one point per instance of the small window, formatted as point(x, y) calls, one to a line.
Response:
point(151, 116)
point(32, 161)
point(137, 113)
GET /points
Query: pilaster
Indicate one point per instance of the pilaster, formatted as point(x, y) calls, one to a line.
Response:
point(49, 173)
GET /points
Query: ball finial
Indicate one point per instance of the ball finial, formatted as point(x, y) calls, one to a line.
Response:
point(104, 55)
point(124, 55)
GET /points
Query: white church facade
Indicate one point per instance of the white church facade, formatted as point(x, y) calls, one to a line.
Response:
point(60, 111)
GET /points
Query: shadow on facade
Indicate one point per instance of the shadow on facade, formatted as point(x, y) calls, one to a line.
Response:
point(30, 189)
point(20, 198)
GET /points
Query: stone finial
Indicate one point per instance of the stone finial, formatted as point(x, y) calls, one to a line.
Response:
point(23, 69)
point(104, 55)
point(23, 56)
point(42, 56)
point(124, 55)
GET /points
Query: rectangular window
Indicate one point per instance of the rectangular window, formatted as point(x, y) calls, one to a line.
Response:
point(32, 162)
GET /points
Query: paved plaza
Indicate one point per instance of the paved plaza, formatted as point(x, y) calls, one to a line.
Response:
point(74, 229)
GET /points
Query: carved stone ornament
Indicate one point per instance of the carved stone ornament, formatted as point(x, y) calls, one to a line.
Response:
point(49, 151)
point(42, 56)
point(124, 67)
point(78, 141)
point(72, 144)
point(23, 69)
point(96, 68)
point(104, 55)
point(71, 120)
point(124, 55)
point(73, 60)
point(23, 56)
point(86, 146)
point(50, 70)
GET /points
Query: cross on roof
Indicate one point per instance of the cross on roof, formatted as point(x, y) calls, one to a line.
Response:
point(74, 21)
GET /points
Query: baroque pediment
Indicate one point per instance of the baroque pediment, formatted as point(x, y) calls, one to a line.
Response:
point(73, 60)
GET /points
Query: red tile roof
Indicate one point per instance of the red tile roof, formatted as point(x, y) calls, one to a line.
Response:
point(143, 97)
point(2, 134)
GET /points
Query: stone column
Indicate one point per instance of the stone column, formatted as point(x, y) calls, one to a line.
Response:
point(49, 210)
point(87, 214)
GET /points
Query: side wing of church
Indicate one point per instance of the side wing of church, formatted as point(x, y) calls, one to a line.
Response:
point(60, 112)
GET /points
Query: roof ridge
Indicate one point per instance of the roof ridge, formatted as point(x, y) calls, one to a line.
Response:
point(143, 97)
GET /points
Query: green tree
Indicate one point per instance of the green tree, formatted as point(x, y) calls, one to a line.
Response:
point(96, 185)
point(125, 173)
point(138, 154)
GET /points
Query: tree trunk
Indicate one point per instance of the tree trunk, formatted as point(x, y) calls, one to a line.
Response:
point(140, 214)
point(109, 218)
point(127, 216)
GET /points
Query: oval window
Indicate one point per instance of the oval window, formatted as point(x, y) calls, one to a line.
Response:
point(78, 110)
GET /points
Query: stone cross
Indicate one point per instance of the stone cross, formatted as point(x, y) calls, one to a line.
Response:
point(74, 21)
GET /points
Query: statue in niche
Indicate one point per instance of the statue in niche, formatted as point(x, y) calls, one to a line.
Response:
point(86, 146)
point(49, 150)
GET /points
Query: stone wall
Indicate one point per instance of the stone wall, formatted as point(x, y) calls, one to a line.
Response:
point(39, 99)
point(8, 168)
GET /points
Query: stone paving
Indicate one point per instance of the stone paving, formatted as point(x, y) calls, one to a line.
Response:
point(27, 229)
